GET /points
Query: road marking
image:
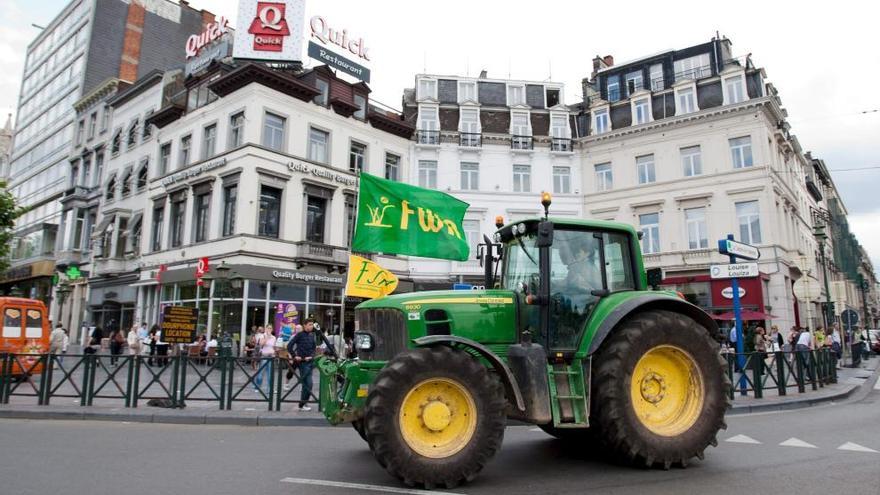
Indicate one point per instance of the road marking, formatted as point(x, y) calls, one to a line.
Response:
point(536, 429)
point(795, 442)
point(359, 486)
point(877, 385)
point(742, 439)
point(854, 447)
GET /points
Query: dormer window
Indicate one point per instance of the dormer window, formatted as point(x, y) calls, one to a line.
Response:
point(657, 77)
point(427, 89)
point(323, 97)
point(641, 111)
point(634, 82)
point(601, 124)
point(360, 102)
point(734, 90)
point(469, 127)
point(696, 67)
point(429, 125)
point(613, 88)
point(554, 97)
point(685, 100)
point(467, 91)
point(516, 94)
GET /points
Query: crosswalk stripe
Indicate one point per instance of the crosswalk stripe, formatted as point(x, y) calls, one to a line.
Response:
point(796, 442)
point(854, 447)
point(742, 439)
point(361, 486)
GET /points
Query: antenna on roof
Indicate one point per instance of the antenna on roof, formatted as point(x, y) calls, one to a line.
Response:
point(425, 62)
point(509, 63)
point(467, 68)
point(549, 70)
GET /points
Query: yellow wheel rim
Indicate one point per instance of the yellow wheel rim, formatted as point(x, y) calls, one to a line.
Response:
point(667, 390)
point(438, 418)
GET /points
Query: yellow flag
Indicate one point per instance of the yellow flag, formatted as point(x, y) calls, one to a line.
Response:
point(367, 279)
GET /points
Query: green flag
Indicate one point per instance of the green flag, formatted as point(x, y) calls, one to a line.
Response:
point(398, 218)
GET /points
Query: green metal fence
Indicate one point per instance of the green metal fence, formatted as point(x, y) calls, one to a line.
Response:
point(778, 372)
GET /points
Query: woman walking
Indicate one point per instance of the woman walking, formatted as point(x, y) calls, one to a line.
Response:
point(267, 350)
point(134, 341)
point(117, 340)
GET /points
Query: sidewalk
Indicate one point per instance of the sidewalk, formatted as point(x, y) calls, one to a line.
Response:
point(850, 382)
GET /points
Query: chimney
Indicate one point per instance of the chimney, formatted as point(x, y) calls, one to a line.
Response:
point(483, 74)
point(597, 64)
point(609, 60)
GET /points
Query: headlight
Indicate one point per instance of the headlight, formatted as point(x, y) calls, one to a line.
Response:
point(363, 341)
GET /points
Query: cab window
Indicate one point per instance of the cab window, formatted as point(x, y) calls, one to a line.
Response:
point(34, 327)
point(12, 323)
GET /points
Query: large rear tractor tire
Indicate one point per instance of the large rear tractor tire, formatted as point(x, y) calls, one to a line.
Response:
point(434, 417)
point(659, 390)
point(358, 426)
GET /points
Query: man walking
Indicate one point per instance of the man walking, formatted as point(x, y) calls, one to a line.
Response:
point(302, 350)
point(56, 340)
point(803, 347)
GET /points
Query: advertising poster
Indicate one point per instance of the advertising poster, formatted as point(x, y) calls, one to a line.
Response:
point(286, 317)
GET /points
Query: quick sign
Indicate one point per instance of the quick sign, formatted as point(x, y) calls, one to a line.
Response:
point(270, 30)
point(738, 249)
point(212, 33)
point(734, 270)
point(727, 292)
point(339, 62)
point(326, 34)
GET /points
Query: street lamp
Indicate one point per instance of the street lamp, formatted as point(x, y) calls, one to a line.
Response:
point(821, 236)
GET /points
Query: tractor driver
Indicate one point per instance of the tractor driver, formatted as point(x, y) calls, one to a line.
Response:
point(583, 268)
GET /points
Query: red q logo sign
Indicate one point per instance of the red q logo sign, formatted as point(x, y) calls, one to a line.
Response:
point(269, 27)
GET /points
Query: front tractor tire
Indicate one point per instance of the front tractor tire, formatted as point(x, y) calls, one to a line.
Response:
point(434, 417)
point(659, 391)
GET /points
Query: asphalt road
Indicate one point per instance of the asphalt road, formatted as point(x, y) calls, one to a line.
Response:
point(829, 450)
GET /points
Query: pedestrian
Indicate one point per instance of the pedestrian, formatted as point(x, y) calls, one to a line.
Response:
point(117, 340)
point(803, 347)
point(761, 341)
point(819, 338)
point(64, 345)
point(302, 347)
point(94, 341)
point(258, 347)
point(134, 341)
point(144, 334)
point(776, 340)
point(267, 353)
point(153, 338)
point(56, 339)
point(161, 348)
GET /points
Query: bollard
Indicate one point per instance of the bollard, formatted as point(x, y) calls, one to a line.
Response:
point(136, 380)
point(799, 359)
point(181, 402)
point(45, 379)
point(279, 377)
point(757, 369)
point(5, 377)
point(780, 373)
point(813, 377)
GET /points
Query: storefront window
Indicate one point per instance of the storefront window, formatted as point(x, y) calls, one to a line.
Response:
point(187, 291)
point(168, 292)
point(256, 314)
point(697, 293)
point(257, 289)
point(288, 292)
point(325, 296)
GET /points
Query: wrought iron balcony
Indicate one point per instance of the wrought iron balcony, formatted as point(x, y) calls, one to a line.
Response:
point(521, 142)
point(694, 73)
point(428, 137)
point(470, 139)
point(561, 144)
point(316, 251)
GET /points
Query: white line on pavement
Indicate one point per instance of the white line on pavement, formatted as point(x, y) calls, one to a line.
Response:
point(877, 385)
point(854, 447)
point(742, 439)
point(536, 429)
point(795, 442)
point(360, 486)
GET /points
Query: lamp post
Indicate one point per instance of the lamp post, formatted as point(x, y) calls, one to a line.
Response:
point(222, 279)
point(821, 236)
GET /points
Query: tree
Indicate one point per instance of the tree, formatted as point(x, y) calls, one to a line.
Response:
point(9, 211)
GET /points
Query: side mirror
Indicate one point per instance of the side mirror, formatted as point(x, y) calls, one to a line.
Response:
point(655, 277)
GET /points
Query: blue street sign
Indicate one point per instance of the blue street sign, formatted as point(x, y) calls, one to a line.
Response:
point(462, 286)
point(737, 249)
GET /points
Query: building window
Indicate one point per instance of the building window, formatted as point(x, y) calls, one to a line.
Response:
point(522, 178)
point(696, 67)
point(695, 222)
point(323, 97)
point(357, 153)
point(428, 174)
point(634, 82)
point(185, 145)
point(470, 176)
point(147, 131)
point(201, 212)
point(604, 179)
point(600, 121)
point(132, 134)
point(361, 103)
point(471, 230)
point(110, 193)
point(79, 226)
point(613, 88)
point(561, 180)
point(741, 152)
point(273, 131)
point(99, 168)
point(164, 158)
point(93, 125)
point(116, 142)
point(316, 208)
point(270, 211)
point(392, 166)
point(427, 89)
point(650, 226)
point(552, 97)
point(428, 124)
point(645, 166)
point(642, 111)
point(749, 219)
point(691, 161)
point(319, 142)
point(209, 143)
point(142, 176)
point(467, 91)
point(236, 130)
point(350, 218)
point(657, 83)
point(230, 196)
point(516, 94)
point(158, 221)
point(80, 130)
point(86, 172)
point(685, 101)
point(178, 220)
point(469, 127)
point(521, 131)
point(105, 118)
point(734, 90)
point(559, 133)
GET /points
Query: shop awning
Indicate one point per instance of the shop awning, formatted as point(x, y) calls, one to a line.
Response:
point(102, 226)
point(746, 314)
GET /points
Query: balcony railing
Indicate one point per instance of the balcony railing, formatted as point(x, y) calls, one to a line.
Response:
point(315, 251)
point(470, 139)
point(561, 144)
point(428, 137)
point(695, 73)
point(521, 142)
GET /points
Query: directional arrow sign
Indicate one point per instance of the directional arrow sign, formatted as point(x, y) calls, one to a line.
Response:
point(734, 270)
point(738, 249)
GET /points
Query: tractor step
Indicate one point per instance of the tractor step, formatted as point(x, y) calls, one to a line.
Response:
point(569, 393)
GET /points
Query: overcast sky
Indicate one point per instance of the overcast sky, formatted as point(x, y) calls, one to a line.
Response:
point(821, 56)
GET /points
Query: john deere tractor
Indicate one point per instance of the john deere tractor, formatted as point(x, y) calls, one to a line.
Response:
point(570, 339)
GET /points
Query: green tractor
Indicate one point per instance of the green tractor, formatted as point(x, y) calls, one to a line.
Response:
point(570, 339)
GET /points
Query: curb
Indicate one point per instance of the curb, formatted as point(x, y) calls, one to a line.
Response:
point(180, 418)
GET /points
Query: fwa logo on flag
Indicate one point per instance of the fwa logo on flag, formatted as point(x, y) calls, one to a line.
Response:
point(368, 279)
point(397, 218)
